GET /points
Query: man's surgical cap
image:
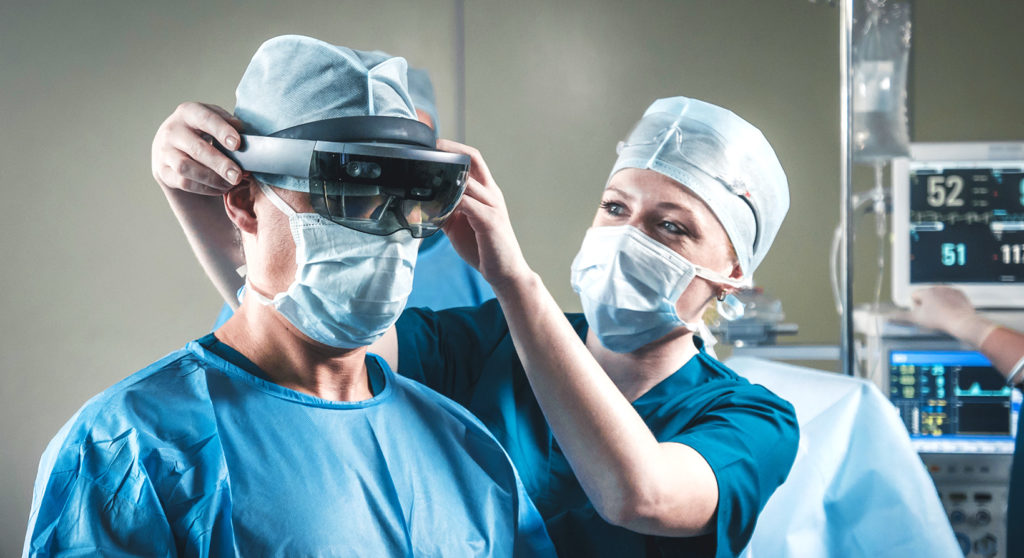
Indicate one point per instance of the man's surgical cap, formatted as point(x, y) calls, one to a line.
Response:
point(293, 80)
point(422, 92)
point(722, 159)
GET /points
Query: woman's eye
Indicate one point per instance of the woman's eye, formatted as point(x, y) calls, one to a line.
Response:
point(612, 208)
point(672, 228)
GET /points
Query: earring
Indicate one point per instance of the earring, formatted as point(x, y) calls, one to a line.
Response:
point(721, 296)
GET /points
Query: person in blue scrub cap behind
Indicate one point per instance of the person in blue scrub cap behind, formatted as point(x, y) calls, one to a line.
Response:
point(630, 438)
point(279, 435)
point(444, 280)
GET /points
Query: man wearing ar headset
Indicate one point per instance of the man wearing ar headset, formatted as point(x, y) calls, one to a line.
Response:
point(442, 279)
point(279, 435)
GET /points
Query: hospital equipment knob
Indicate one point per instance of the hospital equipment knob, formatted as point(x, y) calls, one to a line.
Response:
point(986, 546)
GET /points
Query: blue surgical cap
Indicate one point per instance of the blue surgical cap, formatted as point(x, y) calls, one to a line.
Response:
point(293, 80)
point(722, 159)
point(422, 92)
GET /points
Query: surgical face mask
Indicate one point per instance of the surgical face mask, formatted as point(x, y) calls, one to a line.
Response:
point(629, 284)
point(349, 287)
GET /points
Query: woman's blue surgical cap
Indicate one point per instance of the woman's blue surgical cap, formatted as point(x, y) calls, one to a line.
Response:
point(721, 158)
point(293, 80)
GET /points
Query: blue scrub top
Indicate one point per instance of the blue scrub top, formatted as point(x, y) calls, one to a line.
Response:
point(746, 433)
point(198, 455)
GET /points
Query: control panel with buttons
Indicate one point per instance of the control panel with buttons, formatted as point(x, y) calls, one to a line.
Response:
point(974, 489)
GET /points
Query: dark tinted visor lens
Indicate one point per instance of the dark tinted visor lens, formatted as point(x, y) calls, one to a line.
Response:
point(381, 195)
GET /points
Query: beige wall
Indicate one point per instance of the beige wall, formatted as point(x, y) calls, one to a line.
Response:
point(97, 280)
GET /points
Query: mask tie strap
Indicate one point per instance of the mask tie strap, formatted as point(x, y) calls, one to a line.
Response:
point(276, 200)
point(728, 306)
point(716, 277)
point(259, 297)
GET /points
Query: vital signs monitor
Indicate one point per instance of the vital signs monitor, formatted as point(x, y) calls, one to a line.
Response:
point(958, 219)
point(951, 400)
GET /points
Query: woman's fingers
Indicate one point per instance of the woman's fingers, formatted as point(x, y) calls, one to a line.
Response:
point(488, 196)
point(477, 212)
point(478, 167)
point(484, 207)
point(175, 180)
point(182, 172)
point(211, 120)
point(204, 154)
point(183, 156)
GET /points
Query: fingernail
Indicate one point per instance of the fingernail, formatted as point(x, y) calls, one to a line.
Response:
point(232, 143)
point(232, 176)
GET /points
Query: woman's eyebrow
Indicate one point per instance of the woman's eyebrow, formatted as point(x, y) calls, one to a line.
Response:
point(619, 192)
point(675, 206)
point(687, 211)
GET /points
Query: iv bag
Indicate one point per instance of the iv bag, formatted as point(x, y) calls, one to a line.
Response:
point(881, 48)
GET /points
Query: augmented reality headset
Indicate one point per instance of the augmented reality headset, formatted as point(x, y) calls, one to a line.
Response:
point(374, 174)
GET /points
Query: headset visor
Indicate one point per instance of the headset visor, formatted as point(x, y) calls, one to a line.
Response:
point(380, 188)
point(372, 187)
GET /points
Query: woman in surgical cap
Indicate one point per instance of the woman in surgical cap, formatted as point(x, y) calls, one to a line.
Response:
point(631, 439)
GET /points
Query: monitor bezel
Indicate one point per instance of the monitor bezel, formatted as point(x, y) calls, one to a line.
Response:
point(981, 295)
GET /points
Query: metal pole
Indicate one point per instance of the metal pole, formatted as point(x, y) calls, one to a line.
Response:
point(460, 70)
point(845, 183)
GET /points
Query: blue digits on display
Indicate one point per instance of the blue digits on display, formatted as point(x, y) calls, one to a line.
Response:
point(954, 254)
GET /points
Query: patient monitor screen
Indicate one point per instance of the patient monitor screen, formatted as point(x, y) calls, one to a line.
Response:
point(952, 394)
point(966, 222)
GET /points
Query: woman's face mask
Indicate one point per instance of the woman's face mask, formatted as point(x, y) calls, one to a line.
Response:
point(629, 285)
point(349, 287)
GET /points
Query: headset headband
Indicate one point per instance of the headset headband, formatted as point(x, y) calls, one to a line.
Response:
point(387, 129)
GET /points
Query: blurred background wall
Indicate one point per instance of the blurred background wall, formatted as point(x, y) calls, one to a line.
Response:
point(98, 280)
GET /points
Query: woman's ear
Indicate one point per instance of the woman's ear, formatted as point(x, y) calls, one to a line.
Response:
point(737, 273)
point(239, 203)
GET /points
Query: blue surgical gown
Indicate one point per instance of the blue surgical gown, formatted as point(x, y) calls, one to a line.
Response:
point(442, 280)
point(197, 455)
point(747, 434)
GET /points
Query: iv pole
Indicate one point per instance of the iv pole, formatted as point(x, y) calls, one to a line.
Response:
point(846, 355)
